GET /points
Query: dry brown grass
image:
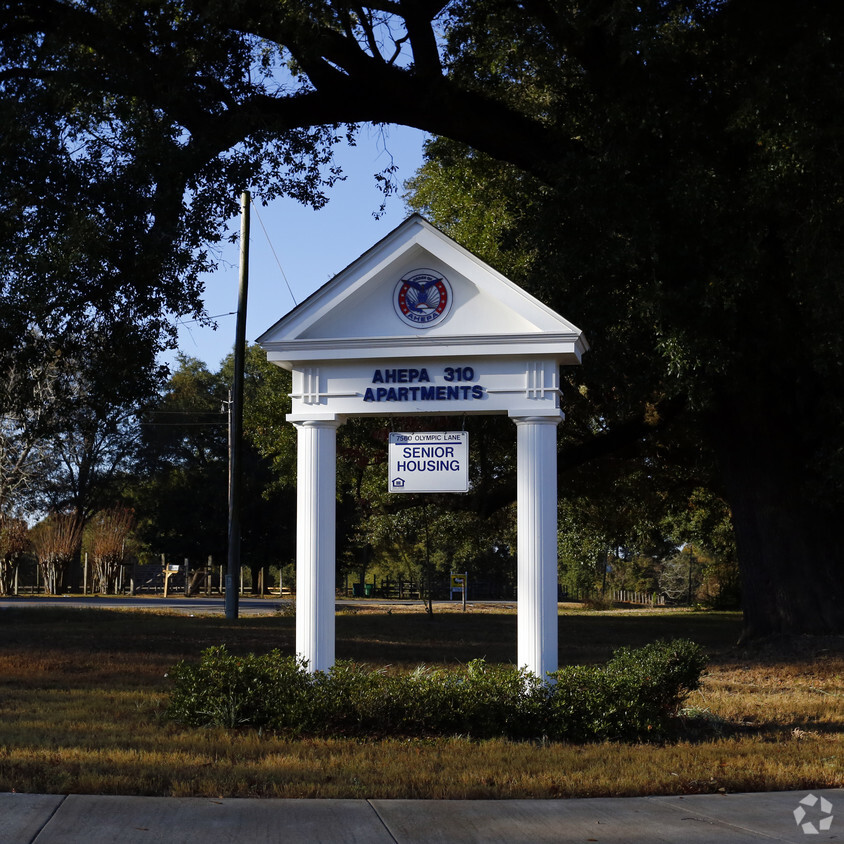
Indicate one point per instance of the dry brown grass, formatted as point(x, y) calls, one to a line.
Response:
point(82, 693)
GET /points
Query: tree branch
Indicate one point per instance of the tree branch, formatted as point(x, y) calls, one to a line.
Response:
point(350, 86)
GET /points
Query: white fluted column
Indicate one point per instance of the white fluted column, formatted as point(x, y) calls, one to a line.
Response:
point(316, 484)
point(537, 543)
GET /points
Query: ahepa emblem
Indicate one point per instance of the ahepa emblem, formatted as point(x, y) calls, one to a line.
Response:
point(422, 298)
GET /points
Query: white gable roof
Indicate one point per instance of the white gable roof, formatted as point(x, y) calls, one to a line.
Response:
point(353, 317)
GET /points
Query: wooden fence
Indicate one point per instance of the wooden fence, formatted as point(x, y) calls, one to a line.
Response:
point(648, 599)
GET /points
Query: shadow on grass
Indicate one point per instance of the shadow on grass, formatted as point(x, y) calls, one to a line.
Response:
point(403, 639)
point(705, 728)
point(456, 638)
point(123, 648)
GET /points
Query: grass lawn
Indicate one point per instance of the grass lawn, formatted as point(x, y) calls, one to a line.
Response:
point(82, 694)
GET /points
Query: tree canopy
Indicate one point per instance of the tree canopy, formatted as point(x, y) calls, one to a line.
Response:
point(679, 162)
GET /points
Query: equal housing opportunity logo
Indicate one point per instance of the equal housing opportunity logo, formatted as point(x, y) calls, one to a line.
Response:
point(813, 815)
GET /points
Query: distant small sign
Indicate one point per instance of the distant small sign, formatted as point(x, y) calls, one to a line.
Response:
point(431, 461)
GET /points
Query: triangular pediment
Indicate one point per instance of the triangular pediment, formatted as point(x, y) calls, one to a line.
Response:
point(368, 309)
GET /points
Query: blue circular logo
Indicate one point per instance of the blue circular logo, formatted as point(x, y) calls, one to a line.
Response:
point(422, 298)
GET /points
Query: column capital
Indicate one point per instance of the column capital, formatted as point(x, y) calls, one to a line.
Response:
point(548, 419)
point(317, 422)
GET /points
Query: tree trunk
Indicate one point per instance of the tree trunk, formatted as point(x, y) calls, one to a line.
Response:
point(791, 557)
point(255, 572)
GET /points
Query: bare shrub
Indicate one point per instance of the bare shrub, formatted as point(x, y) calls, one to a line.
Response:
point(109, 530)
point(14, 543)
point(56, 541)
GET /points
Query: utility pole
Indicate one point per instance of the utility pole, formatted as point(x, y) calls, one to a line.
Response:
point(236, 419)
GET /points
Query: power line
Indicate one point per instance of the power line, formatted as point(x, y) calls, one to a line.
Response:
point(272, 249)
point(216, 316)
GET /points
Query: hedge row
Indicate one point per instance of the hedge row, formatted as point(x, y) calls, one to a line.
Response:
point(633, 696)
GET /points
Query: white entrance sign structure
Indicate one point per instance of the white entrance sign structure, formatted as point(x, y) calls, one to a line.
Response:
point(419, 326)
point(430, 461)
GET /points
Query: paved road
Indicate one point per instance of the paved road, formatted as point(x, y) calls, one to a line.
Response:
point(247, 606)
point(201, 604)
point(699, 819)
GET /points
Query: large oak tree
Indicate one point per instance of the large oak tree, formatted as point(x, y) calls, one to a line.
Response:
point(691, 152)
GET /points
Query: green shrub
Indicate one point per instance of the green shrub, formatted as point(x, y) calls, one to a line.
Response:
point(237, 691)
point(633, 696)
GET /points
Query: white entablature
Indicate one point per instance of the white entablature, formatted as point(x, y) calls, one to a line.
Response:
point(494, 349)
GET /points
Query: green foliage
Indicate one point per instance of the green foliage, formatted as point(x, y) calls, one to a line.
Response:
point(705, 526)
point(238, 691)
point(633, 697)
point(178, 485)
point(266, 402)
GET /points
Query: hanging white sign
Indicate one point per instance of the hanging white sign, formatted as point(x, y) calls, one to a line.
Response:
point(432, 461)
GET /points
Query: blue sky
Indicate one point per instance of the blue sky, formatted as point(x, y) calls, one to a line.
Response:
point(311, 246)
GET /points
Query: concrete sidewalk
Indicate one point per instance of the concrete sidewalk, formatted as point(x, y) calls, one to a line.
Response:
point(697, 819)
